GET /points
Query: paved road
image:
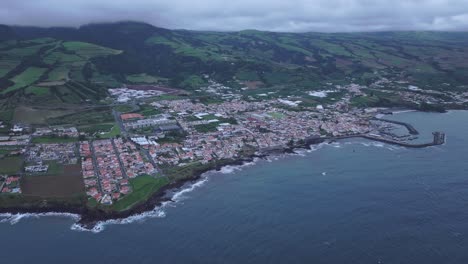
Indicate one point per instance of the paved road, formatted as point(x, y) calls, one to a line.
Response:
point(118, 120)
point(146, 152)
point(95, 165)
point(122, 168)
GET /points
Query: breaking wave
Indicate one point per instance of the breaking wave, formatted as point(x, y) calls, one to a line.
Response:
point(15, 218)
point(316, 147)
point(404, 111)
point(159, 211)
point(177, 196)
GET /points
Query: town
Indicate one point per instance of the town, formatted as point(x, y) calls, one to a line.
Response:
point(178, 132)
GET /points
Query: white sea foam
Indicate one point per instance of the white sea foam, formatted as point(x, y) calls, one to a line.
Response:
point(232, 168)
point(317, 147)
point(300, 152)
point(157, 212)
point(373, 144)
point(392, 148)
point(15, 218)
point(229, 169)
point(336, 145)
point(403, 111)
point(178, 196)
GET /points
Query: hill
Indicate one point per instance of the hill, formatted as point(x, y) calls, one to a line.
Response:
point(75, 65)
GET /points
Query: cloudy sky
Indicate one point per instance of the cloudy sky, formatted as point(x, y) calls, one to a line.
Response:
point(272, 15)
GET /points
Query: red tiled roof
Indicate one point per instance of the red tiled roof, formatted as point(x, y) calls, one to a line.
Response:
point(131, 116)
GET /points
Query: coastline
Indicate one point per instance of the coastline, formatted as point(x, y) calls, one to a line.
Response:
point(89, 218)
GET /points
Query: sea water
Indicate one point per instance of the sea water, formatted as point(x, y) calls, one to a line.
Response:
point(354, 201)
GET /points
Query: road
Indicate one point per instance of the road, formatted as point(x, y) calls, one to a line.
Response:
point(122, 168)
point(118, 120)
point(95, 165)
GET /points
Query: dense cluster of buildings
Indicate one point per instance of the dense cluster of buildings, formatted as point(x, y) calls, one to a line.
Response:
point(10, 184)
point(65, 153)
point(132, 161)
point(257, 125)
point(57, 131)
point(123, 95)
point(107, 165)
point(204, 132)
point(15, 140)
point(224, 92)
point(38, 168)
point(153, 121)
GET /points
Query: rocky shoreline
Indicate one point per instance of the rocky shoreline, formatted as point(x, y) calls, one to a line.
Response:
point(91, 217)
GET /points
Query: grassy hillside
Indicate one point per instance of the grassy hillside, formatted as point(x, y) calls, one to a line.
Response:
point(48, 69)
point(68, 65)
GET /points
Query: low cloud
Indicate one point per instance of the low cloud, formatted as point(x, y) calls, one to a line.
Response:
point(272, 15)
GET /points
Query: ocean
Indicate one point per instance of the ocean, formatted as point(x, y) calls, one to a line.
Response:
point(353, 201)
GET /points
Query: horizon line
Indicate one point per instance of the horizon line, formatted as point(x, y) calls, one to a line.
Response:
point(234, 31)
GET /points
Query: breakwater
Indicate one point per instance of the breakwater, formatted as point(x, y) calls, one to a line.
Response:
point(410, 128)
point(439, 139)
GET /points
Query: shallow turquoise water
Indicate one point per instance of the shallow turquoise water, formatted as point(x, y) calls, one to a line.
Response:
point(352, 202)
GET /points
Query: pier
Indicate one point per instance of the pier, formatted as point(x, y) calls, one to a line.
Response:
point(410, 128)
point(439, 139)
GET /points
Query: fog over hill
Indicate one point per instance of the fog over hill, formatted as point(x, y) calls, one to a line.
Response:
point(270, 15)
point(78, 64)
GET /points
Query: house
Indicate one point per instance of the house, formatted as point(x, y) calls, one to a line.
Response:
point(17, 129)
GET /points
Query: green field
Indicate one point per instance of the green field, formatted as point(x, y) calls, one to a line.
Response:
point(11, 165)
point(88, 50)
point(47, 62)
point(80, 71)
point(28, 201)
point(96, 128)
point(123, 108)
point(38, 91)
point(148, 110)
point(191, 169)
point(205, 128)
point(55, 168)
point(143, 187)
point(145, 78)
point(27, 77)
point(58, 74)
point(85, 118)
point(115, 131)
point(6, 151)
point(33, 115)
point(6, 65)
point(53, 139)
point(6, 115)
